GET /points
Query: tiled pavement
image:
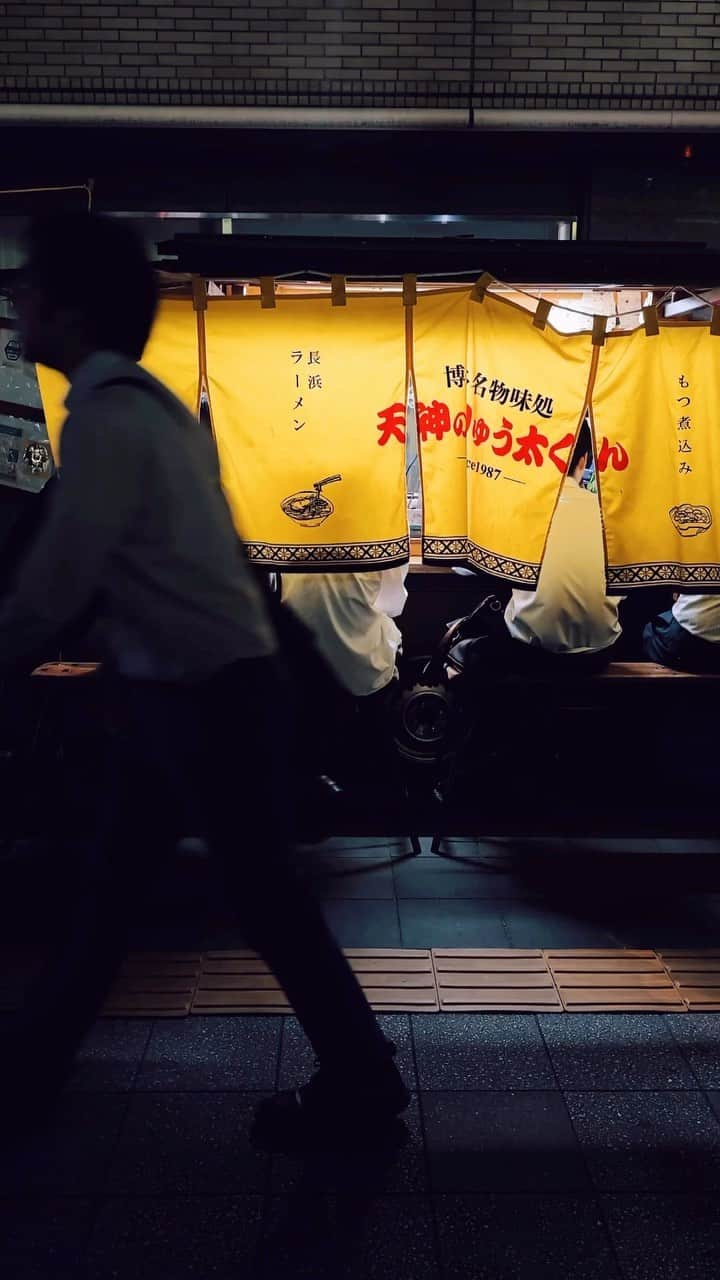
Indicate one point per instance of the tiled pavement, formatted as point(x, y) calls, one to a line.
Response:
point(584, 1146)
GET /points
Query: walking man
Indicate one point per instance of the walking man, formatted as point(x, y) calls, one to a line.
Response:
point(141, 533)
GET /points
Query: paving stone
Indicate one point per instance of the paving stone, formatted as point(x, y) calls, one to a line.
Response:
point(70, 1154)
point(615, 1051)
point(363, 924)
point(188, 1144)
point(212, 1053)
point(530, 1237)
point(481, 1051)
point(43, 1239)
point(316, 1238)
point(110, 1055)
point(501, 1142)
point(451, 922)
point(530, 925)
point(698, 1035)
point(435, 877)
point(353, 877)
point(660, 1141)
point(665, 1237)
point(713, 1098)
point(151, 1238)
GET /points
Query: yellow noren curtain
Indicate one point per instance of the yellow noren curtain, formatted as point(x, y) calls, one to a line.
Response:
point(53, 390)
point(171, 355)
point(656, 409)
point(440, 323)
point(308, 409)
point(503, 414)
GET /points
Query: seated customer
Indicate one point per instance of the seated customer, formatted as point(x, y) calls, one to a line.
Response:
point(351, 618)
point(569, 622)
point(687, 637)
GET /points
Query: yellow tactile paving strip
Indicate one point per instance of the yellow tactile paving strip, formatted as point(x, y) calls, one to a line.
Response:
point(237, 982)
point(696, 974)
point(396, 980)
point(597, 980)
point(155, 984)
point(477, 980)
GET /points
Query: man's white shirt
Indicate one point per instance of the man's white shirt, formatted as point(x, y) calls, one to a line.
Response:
point(570, 611)
point(700, 615)
point(351, 618)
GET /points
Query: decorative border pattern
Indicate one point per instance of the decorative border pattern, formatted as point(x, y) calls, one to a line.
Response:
point(697, 577)
point(464, 551)
point(291, 557)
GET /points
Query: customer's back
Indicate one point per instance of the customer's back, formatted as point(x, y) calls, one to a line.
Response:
point(570, 612)
point(351, 618)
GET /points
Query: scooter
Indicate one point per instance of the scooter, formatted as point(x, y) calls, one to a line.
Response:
point(428, 722)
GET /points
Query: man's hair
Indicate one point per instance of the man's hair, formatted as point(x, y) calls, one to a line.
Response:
point(97, 266)
point(583, 445)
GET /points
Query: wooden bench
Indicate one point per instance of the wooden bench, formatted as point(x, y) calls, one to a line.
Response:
point(635, 705)
point(629, 699)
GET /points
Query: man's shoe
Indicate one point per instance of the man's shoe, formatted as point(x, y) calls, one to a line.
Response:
point(326, 1109)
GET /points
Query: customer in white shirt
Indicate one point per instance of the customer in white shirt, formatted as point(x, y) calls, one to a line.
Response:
point(351, 617)
point(687, 637)
point(569, 617)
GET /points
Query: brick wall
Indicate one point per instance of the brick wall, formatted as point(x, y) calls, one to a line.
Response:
point(630, 54)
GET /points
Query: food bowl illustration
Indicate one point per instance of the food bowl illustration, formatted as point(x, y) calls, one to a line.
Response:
point(690, 520)
point(309, 506)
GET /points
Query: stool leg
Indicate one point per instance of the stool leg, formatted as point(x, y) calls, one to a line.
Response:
point(415, 846)
point(436, 843)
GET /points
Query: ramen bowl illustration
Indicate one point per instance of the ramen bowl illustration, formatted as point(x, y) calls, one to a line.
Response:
point(690, 520)
point(309, 506)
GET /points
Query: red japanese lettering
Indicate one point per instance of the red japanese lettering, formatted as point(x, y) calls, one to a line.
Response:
point(462, 420)
point(392, 423)
point(481, 431)
point(433, 420)
point(530, 446)
point(504, 434)
point(613, 454)
point(561, 446)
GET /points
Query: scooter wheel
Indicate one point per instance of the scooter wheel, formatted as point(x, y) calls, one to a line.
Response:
point(423, 722)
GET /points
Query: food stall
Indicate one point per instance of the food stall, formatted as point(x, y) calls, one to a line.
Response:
point(308, 390)
point(323, 393)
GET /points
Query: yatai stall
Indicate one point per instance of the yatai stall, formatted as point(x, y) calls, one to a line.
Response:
point(318, 396)
point(325, 395)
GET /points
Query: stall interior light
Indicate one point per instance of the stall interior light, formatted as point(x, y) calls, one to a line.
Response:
point(684, 306)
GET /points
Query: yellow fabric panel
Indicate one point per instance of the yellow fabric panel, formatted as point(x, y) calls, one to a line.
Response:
point(308, 409)
point(171, 355)
point(529, 393)
point(440, 323)
point(659, 399)
point(53, 390)
point(503, 417)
